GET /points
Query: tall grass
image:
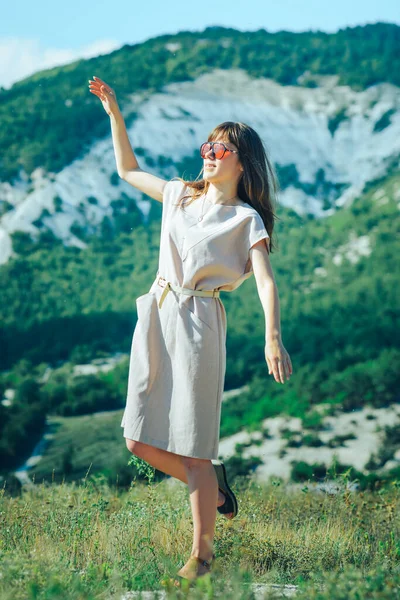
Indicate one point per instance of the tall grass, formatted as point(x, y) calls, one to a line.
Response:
point(88, 540)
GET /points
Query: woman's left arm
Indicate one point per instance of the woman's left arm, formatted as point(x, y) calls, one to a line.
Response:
point(276, 356)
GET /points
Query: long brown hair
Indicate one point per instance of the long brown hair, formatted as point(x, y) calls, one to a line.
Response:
point(258, 185)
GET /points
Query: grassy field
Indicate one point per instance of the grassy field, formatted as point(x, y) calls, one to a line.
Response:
point(87, 540)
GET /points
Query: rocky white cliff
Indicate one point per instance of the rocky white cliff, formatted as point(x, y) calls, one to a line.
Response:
point(331, 139)
point(353, 438)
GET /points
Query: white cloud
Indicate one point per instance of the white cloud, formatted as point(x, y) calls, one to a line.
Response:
point(21, 57)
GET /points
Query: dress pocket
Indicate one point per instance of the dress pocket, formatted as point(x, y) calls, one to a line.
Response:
point(199, 323)
point(147, 346)
point(143, 296)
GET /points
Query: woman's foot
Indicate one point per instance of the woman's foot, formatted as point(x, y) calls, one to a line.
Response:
point(221, 500)
point(194, 568)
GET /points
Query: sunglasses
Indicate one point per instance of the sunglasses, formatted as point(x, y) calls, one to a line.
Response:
point(218, 149)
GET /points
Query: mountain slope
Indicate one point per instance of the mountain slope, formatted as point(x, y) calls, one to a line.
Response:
point(69, 292)
point(327, 142)
point(316, 99)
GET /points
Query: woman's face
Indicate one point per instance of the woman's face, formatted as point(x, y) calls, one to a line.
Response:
point(227, 168)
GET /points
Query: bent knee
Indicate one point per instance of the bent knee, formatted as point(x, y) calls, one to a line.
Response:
point(194, 463)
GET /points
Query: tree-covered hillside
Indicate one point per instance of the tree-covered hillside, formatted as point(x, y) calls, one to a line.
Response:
point(49, 119)
point(337, 276)
point(338, 285)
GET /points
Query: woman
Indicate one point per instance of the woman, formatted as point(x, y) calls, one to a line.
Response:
point(215, 233)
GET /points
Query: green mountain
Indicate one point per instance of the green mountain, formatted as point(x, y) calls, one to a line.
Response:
point(336, 266)
point(47, 120)
point(337, 279)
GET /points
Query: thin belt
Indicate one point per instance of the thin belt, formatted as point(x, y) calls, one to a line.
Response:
point(182, 290)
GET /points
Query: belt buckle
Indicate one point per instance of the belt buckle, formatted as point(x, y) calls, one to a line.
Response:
point(159, 281)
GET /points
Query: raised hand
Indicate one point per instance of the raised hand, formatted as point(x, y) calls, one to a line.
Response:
point(106, 94)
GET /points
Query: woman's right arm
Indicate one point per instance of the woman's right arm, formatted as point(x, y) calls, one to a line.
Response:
point(127, 165)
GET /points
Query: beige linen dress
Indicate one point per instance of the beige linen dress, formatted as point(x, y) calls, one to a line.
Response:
point(178, 353)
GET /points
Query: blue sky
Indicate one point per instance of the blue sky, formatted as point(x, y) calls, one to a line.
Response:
point(41, 34)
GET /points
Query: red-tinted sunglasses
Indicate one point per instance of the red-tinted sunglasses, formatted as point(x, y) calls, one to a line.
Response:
point(218, 149)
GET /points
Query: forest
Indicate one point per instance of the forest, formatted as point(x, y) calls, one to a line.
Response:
point(61, 306)
point(47, 120)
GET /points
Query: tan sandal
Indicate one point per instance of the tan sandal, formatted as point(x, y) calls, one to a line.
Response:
point(194, 562)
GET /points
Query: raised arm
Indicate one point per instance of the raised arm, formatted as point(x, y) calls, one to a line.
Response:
point(127, 165)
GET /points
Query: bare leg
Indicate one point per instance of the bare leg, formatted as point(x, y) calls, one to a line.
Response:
point(203, 489)
point(166, 462)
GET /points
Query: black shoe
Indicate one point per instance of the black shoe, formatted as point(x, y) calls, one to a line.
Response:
point(230, 505)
